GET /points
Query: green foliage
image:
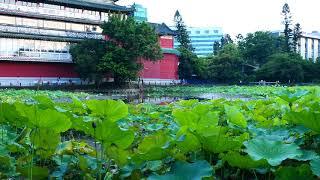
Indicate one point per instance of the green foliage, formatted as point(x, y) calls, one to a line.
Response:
point(128, 42)
point(227, 65)
point(294, 173)
point(282, 67)
point(315, 166)
point(187, 57)
point(87, 55)
point(274, 137)
point(234, 116)
point(257, 47)
point(272, 151)
point(183, 170)
point(182, 34)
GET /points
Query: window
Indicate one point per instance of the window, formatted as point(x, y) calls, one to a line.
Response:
point(216, 31)
point(197, 32)
point(189, 32)
point(207, 31)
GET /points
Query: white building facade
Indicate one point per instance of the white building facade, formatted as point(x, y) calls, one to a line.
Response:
point(309, 46)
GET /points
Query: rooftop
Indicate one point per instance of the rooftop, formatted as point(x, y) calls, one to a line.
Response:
point(104, 5)
point(162, 29)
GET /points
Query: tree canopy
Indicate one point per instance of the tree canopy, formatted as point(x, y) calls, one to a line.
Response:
point(127, 42)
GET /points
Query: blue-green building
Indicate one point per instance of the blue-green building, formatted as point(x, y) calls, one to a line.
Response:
point(140, 12)
point(202, 39)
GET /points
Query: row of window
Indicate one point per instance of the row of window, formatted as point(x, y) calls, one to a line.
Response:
point(204, 32)
point(39, 23)
point(18, 47)
point(51, 6)
point(204, 49)
point(49, 9)
point(202, 40)
point(203, 45)
point(213, 37)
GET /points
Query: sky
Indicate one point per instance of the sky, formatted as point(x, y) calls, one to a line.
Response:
point(234, 16)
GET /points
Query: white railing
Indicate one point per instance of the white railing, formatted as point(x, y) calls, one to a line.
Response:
point(51, 12)
point(38, 57)
point(49, 32)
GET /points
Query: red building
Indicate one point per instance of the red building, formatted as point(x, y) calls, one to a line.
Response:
point(166, 69)
point(35, 37)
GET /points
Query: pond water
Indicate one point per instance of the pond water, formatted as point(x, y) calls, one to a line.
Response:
point(168, 99)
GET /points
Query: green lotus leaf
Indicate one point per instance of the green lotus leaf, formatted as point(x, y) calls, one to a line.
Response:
point(222, 143)
point(110, 133)
point(120, 156)
point(187, 103)
point(44, 102)
point(306, 156)
point(315, 166)
point(294, 173)
point(157, 140)
point(208, 119)
point(189, 143)
point(45, 141)
point(185, 117)
point(108, 109)
point(309, 119)
point(290, 96)
point(234, 116)
point(48, 118)
point(234, 159)
point(272, 151)
point(188, 171)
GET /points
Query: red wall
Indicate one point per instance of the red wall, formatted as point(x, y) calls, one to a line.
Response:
point(167, 68)
point(166, 41)
point(28, 69)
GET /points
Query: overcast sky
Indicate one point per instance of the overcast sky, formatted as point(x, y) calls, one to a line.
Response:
point(234, 16)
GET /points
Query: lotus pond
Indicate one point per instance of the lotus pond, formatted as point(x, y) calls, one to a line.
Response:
point(275, 137)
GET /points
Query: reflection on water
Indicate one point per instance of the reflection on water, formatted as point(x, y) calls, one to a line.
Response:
point(167, 99)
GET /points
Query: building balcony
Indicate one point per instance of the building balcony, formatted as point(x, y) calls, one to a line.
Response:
point(50, 14)
point(37, 33)
point(32, 56)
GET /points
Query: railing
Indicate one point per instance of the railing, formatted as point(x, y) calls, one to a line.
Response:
point(51, 12)
point(38, 57)
point(49, 32)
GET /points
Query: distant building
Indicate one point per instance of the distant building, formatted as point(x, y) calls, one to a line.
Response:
point(309, 46)
point(202, 39)
point(140, 12)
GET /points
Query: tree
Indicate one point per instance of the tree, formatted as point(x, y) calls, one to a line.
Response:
point(283, 67)
point(87, 55)
point(296, 36)
point(187, 56)
point(226, 67)
point(186, 61)
point(257, 47)
point(216, 48)
point(201, 67)
point(120, 55)
point(287, 27)
point(182, 33)
point(226, 40)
